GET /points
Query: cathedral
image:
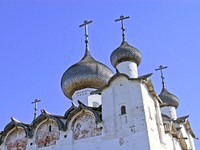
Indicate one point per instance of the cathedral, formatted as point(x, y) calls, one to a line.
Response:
point(118, 110)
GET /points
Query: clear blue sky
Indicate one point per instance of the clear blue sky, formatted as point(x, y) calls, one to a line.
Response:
point(40, 39)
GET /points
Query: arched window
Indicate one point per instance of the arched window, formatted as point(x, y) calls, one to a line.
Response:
point(123, 110)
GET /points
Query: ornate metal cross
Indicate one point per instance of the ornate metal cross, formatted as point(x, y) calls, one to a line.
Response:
point(86, 32)
point(162, 76)
point(122, 18)
point(35, 108)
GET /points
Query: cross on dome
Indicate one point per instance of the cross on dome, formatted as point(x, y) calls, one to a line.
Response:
point(85, 24)
point(161, 68)
point(87, 73)
point(122, 18)
point(35, 107)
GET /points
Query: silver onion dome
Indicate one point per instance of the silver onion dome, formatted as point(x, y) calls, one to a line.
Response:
point(125, 52)
point(87, 73)
point(168, 99)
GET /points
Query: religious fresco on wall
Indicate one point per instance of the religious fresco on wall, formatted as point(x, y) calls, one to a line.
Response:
point(47, 134)
point(16, 140)
point(85, 126)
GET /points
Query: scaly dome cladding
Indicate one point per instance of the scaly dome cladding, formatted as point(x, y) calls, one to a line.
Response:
point(87, 73)
point(168, 98)
point(125, 52)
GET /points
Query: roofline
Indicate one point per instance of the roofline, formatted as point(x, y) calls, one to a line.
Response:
point(118, 74)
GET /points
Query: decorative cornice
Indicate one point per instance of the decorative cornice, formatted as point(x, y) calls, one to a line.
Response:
point(73, 111)
point(15, 123)
point(46, 115)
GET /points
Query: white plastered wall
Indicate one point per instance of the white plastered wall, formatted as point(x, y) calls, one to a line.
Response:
point(141, 114)
point(86, 98)
point(170, 111)
point(129, 68)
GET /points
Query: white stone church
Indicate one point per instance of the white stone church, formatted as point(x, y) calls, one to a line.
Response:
point(119, 111)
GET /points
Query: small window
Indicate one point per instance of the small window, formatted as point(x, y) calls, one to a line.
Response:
point(49, 128)
point(123, 110)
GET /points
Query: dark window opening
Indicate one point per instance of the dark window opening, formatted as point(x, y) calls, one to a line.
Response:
point(123, 110)
point(49, 128)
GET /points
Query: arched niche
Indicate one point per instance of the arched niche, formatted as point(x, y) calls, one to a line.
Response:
point(84, 126)
point(16, 139)
point(47, 133)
